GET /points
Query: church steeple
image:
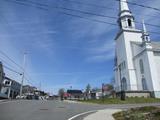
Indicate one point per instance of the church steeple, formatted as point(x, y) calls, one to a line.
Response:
point(145, 35)
point(126, 19)
point(124, 5)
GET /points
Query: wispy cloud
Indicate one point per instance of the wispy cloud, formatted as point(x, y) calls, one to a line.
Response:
point(102, 53)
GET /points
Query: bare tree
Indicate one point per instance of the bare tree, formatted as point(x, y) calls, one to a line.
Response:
point(88, 90)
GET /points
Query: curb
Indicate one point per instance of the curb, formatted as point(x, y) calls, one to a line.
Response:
point(78, 115)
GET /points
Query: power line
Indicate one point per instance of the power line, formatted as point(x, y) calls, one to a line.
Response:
point(140, 5)
point(9, 65)
point(65, 12)
point(80, 11)
point(12, 70)
point(95, 20)
point(89, 13)
point(32, 4)
point(98, 6)
point(3, 61)
point(10, 59)
point(90, 4)
point(69, 9)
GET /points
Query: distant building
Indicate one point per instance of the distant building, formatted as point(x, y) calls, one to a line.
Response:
point(137, 59)
point(106, 91)
point(11, 88)
point(27, 89)
point(96, 94)
point(75, 94)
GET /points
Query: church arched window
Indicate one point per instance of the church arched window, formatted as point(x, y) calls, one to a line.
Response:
point(141, 66)
point(144, 84)
point(129, 23)
point(124, 84)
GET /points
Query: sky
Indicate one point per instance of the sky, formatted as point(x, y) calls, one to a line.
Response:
point(64, 50)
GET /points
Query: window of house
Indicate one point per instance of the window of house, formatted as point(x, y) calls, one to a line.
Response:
point(7, 82)
point(144, 84)
point(141, 66)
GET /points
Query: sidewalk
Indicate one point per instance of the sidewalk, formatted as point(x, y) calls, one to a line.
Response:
point(71, 101)
point(102, 115)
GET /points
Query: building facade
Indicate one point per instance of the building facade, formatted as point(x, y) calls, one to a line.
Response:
point(1, 75)
point(137, 58)
point(75, 94)
point(11, 88)
point(27, 89)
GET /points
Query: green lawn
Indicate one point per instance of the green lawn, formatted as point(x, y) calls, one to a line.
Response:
point(118, 101)
point(143, 113)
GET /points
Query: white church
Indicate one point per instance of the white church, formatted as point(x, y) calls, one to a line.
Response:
point(137, 59)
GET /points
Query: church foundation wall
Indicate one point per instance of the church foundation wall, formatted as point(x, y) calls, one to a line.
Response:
point(128, 94)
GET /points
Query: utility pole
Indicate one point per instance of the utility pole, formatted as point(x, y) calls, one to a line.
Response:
point(24, 62)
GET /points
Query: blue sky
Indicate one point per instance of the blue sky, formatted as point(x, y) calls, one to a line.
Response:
point(65, 51)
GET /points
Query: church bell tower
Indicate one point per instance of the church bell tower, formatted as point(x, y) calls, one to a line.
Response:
point(126, 19)
point(125, 72)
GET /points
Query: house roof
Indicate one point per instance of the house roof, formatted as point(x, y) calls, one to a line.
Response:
point(74, 91)
point(9, 79)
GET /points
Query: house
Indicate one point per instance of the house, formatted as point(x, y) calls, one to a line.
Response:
point(75, 94)
point(27, 89)
point(96, 94)
point(137, 59)
point(11, 88)
point(105, 91)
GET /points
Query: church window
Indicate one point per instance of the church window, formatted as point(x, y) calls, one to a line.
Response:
point(141, 66)
point(129, 23)
point(124, 84)
point(144, 84)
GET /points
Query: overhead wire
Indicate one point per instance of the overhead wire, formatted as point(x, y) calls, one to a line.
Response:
point(4, 54)
point(73, 15)
point(99, 6)
point(12, 70)
point(90, 4)
point(140, 5)
point(80, 11)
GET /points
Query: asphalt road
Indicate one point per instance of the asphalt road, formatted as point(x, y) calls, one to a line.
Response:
point(42, 110)
point(50, 110)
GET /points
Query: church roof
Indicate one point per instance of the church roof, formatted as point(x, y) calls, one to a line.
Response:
point(156, 45)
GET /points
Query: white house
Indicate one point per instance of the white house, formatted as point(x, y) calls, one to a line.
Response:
point(137, 59)
point(11, 88)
